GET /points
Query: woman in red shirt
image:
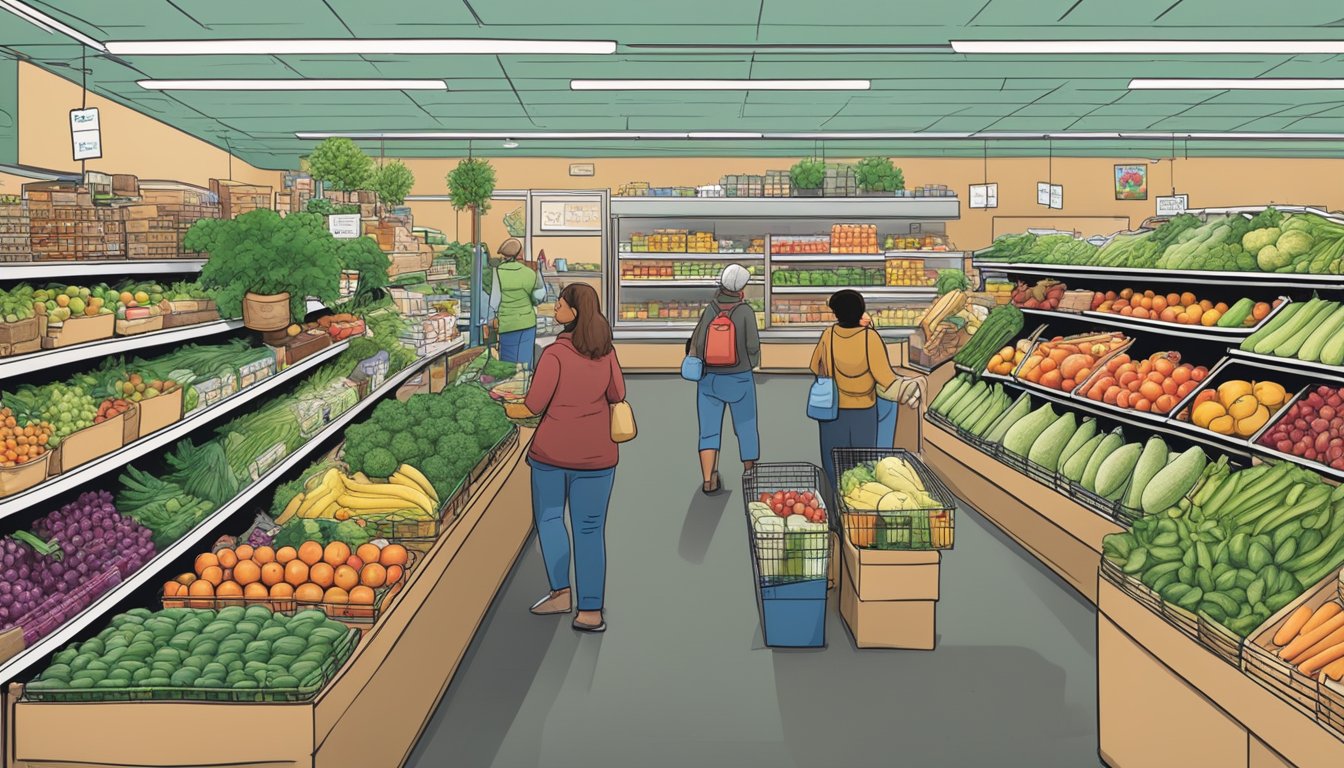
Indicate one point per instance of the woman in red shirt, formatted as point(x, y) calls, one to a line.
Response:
point(573, 457)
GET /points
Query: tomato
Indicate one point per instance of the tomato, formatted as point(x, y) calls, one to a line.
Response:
point(807, 497)
point(765, 498)
point(798, 508)
point(779, 497)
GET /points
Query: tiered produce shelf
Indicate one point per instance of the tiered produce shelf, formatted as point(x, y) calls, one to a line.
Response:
point(49, 269)
point(1187, 277)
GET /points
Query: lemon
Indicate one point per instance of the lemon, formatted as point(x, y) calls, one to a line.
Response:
point(1270, 394)
point(143, 298)
point(1229, 391)
point(1206, 412)
point(1243, 407)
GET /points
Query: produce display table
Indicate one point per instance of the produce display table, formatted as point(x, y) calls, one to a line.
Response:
point(1058, 531)
point(371, 714)
point(1165, 701)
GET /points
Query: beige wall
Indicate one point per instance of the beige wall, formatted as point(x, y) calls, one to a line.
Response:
point(1089, 199)
point(132, 142)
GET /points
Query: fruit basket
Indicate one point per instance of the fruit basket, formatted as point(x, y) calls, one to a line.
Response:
point(1237, 401)
point(918, 511)
point(1062, 364)
point(1308, 429)
point(1146, 381)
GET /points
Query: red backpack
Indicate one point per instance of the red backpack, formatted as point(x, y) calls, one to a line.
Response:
point(721, 339)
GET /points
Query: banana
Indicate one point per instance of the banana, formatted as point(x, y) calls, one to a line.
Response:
point(361, 503)
point(291, 509)
point(417, 477)
point(396, 490)
point(314, 503)
point(361, 477)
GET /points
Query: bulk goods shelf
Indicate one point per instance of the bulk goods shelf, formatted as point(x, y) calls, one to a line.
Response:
point(1188, 277)
point(1140, 325)
point(681, 255)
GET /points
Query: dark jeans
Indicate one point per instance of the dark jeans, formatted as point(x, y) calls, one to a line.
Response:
point(853, 428)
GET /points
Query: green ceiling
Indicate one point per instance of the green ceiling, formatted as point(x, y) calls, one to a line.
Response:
point(922, 87)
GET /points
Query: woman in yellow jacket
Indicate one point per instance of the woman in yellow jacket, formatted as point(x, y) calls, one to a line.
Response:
point(856, 357)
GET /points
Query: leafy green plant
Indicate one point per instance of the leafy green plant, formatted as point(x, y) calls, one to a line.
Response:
point(808, 174)
point(470, 186)
point(259, 252)
point(878, 174)
point(324, 207)
point(340, 163)
point(362, 255)
point(392, 183)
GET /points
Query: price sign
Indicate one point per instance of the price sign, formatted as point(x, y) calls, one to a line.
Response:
point(85, 136)
point(1173, 205)
point(1056, 195)
point(1043, 193)
point(344, 226)
point(984, 195)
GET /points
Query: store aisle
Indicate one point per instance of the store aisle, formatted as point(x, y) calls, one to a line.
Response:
point(682, 678)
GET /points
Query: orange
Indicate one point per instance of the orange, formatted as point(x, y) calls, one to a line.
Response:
point(394, 573)
point(263, 555)
point(336, 595)
point(213, 574)
point(229, 593)
point(310, 552)
point(337, 552)
point(346, 577)
point(373, 575)
point(392, 554)
point(172, 589)
point(247, 572)
point(296, 572)
point(205, 560)
point(204, 591)
point(227, 558)
point(244, 551)
point(272, 574)
point(256, 591)
point(308, 593)
point(369, 552)
point(281, 591)
point(322, 575)
point(185, 579)
point(355, 562)
point(361, 596)
point(285, 554)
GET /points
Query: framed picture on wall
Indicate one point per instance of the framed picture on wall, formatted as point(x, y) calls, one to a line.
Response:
point(1131, 182)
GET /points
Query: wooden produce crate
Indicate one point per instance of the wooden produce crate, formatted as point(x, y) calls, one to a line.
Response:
point(138, 326)
point(21, 332)
point(1184, 621)
point(18, 479)
point(94, 442)
point(159, 412)
point(79, 330)
point(1260, 658)
point(184, 319)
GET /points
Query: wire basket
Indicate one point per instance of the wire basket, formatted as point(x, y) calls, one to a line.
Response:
point(923, 528)
point(781, 555)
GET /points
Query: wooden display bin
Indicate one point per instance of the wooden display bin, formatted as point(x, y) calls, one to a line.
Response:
point(159, 412)
point(141, 325)
point(95, 442)
point(889, 598)
point(18, 479)
point(21, 348)
point(183, 319)
point(20, 334)
point(79, 330)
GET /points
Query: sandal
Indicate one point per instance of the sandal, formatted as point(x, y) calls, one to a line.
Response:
point(591, 628)
point(548, 605)
point(713, 485)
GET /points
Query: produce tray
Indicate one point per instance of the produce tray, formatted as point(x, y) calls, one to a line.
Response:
point(1220, 640)
point(1022, 465)
point(862, 526)
point(1263, 665)
point(1079, 386)
point(1225, 367)
point(1095, 502)
point(24, 476)
point(1184, 621)
point(1261, 449)
point(967, 437)
point(45, 619)
point(346, 612)
point(177, 693)
point(1231, 334)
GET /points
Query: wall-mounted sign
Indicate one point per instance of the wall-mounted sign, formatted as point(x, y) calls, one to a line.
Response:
point(344, 226)
point(582, 169)
point(1056, 195)
point(1131, 182)
point(85, 135)
point(558, 216)
point(1043, 193)
point(984, 195)
point(1173, 205)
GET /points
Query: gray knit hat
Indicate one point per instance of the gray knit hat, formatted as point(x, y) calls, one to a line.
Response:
point(734, 277)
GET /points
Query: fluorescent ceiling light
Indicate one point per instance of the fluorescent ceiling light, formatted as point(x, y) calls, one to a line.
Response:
point(464, 135)
point(719, 85)
point(354, 47)
point(1278, 47)
point(293, 85)
point(510, 144)
point(1235, 84)
point(1165, 136)
point(45, 22)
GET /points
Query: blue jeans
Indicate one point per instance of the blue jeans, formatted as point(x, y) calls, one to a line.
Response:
point(853, 428)
point(886, 423)
point(588, 493)
point(518, 346)
point(737, 391)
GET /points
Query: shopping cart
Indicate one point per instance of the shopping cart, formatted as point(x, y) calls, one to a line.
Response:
point(926, 526)
point(790, 556)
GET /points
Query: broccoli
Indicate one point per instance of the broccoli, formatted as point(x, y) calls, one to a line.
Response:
point(405, 447)
point(452, 447)
point(379, 462)
point(440, 472)
point(393, 416)
point(467, 423)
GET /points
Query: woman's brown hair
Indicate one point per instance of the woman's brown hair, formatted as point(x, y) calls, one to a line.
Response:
point(590, 331)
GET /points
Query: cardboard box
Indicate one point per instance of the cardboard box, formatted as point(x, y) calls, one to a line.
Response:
point(88, 444)
point(19, 332)
point(886, 574)
point(79, 330)
point(159, 412)
point(908, 624)
point(142, 325)
point(191, 305)
point(20, 348)
point(16, 479)
point(183, 319)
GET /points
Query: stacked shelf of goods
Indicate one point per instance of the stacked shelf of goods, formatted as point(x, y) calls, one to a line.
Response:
point(1244, 364)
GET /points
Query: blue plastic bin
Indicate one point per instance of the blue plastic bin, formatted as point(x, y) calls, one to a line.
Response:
point(794, 615)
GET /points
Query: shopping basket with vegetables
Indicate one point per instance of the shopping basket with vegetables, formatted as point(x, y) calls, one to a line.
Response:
point(889, 500)
point(790, 551)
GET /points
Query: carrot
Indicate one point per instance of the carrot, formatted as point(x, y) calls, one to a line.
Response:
point(1293, 627)
point(1327, 656)
point(1337, 636)
point(1309, 639)
point(1335, 671)
point(1322, 614)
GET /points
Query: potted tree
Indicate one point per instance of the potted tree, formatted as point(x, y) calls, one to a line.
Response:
point(265, 267)
point(392, 182)
point(806, 177)
point(340, 164)
point(878, 177)
point(470, 186)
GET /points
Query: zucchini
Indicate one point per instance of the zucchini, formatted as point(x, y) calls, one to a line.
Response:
point(1302, 319)
point(1114, 472)
point(1291, 345)
point(1151, 461)
point(1021, 435)
point(1046, 450)
point(1020, 408)
point(1077, 463)
point(949, 394)
point(1235, 317)
point(1323, 332)
point(1273, 325)
point(1172, 482)
point(968, 404)
point(1081, 435)
point(1108, 445)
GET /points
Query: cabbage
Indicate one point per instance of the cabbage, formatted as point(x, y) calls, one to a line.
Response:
point(1257, 239)
point(1269, 259)
point(1294, 243)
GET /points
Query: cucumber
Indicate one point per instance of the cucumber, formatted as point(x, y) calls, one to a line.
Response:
point(1108, 445)
point(1289, 347)
point(1021, 435)
point(1077, 463)
point(1020, 408)
point(968, 404)
point(1114, 472)
point(1302, 319)
point(1046, 449)
point(998, 402)
point(1151, 461)
point(1235, 317)
point(1081, 435)
point(949, 393)
point(1273, 325)
point(1315, 343)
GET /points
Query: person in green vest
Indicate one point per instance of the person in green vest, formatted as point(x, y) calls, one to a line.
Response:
point(515, 292)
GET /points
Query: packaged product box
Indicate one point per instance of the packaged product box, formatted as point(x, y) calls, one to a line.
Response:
point(891, 574)
point(296, 348)
point(91, 443)
point(257, 370)
point(159, 412)
point(79, 330)
point(212, 390)
point(267, 461)
point(20, 332)
point(908, 624)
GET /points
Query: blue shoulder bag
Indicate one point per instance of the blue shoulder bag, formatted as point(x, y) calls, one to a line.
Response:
point(823, 401)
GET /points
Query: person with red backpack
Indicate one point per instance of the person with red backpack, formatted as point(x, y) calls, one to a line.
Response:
point(726, 346)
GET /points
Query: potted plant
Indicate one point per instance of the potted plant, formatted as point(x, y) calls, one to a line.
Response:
point(340, 164)
point(392, 182)
point(806, 177)
point(878, 177)
point(265, 267)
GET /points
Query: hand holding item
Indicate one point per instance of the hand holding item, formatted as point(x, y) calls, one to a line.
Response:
point(911, 390)
point(517, 410)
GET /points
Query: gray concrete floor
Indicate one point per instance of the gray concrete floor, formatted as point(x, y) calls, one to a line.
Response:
point(682, 678)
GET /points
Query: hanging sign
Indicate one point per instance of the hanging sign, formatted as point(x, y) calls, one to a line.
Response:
point(85, 135)
point(984, 195)
point(1173, 205)
point(1043, 193)
point(344, 226)
point(1056, 195)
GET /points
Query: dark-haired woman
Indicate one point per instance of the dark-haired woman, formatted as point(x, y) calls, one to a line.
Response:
point(855, 356)
point(573, 457)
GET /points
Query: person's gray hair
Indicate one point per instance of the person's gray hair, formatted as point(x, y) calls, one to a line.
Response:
point(734, 277)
